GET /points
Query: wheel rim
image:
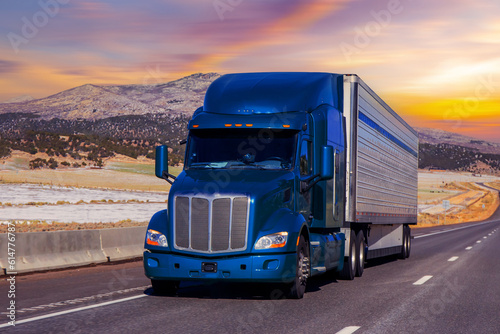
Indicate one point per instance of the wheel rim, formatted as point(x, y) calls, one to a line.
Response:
point(408, 242)
point(361, 254)
point(353, 257)
point(302, 270)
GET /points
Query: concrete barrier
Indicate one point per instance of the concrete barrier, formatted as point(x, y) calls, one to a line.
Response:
point(37, 251)
point(3, 252)
point(123, 243)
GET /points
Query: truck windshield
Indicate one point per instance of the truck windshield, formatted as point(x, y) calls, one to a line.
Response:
point(241, 148)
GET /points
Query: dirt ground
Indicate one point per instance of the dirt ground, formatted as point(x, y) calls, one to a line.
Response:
point(477, 206)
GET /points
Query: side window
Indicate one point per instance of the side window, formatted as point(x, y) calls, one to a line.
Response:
point(306, 158)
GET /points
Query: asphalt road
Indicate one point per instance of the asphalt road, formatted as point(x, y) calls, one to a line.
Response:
point(450, 284)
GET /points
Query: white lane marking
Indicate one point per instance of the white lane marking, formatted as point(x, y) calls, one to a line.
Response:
point(468, 248)
point(81, 300)
point(455, 229)
point(478, 242)
point(453, 259)
point(423, 280)
point(485, 237)
point(348, 330)
point(83, 308)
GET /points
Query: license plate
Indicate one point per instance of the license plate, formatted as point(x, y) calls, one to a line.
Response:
point(209, 267)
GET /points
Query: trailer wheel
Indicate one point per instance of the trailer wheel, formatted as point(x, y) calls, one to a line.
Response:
point(404, 249)
point(360, 253)
point(408, 241)
point(164, 288)
point(298, 287)
point(349, 270)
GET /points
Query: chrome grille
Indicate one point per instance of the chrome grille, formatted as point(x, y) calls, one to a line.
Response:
point(239, 216)
point(211, 225)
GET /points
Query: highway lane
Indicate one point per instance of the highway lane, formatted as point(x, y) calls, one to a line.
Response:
point(460, 297)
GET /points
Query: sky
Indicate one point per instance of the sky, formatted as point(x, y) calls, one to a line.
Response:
point(436, 63)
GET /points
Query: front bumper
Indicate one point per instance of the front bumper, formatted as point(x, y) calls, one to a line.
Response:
point(258, 268)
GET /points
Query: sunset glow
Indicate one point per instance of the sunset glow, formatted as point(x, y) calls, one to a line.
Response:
point(435, 62)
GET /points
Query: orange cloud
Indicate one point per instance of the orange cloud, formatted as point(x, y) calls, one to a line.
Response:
point(276, 32)
point(472, 117)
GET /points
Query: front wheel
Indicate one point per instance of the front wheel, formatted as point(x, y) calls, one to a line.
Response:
point(298, 287)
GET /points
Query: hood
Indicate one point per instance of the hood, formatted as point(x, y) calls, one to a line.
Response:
point(267, 190)
point(257, 184)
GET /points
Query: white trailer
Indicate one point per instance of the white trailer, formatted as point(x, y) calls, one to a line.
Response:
point(381, 178)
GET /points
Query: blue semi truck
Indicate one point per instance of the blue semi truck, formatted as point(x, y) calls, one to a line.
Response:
point(286, 176)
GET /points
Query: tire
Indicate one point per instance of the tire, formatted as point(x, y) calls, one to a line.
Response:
point(164, 288)
point(349, 270)
point(360, 253)
point(404, 249)
point(408, 235)
point(298, 286)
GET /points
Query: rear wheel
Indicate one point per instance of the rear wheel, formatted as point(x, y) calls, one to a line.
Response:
point(349, 270)
point(404, 249)
point(360, 253)
point(164, 288)
point(408, 243)
point(298, 287)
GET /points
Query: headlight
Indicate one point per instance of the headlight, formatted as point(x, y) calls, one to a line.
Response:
point(156, 238)
point(275, 240)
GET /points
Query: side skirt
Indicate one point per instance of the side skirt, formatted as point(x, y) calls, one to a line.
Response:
point(381, 252)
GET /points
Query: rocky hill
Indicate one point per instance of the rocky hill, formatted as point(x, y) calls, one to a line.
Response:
point(92, 102)
point(108, 117)
point(436, 136)
point(440, 149)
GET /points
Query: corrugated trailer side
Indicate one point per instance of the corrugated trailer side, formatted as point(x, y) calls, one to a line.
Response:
point(382, 167)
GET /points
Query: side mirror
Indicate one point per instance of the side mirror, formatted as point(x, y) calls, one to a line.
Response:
point(161, 164)
point(161, 161)
point(327, 162)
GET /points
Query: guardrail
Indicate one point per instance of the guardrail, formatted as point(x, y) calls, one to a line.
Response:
point(40, 251)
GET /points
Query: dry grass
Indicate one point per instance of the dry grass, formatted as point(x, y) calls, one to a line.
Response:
point(495, 185)
point(88, 178)
point(473, 212)
point(42, 226)
point(434, 186)
point(431, 193)
point(466, 198)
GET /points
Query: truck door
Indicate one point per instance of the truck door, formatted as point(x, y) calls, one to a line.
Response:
point(304, 200)
point(335, 188)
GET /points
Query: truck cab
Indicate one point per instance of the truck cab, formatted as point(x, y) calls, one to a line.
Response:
point(259, 168)
point(262, 196)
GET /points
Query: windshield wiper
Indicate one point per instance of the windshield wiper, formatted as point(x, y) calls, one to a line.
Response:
point(208, 165)
point(243, 166)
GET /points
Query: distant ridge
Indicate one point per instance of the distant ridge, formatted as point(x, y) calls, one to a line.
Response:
point(437, 136)
point(19, 99)
point(93, 102)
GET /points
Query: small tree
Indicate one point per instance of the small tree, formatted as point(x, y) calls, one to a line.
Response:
point(52, 163)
